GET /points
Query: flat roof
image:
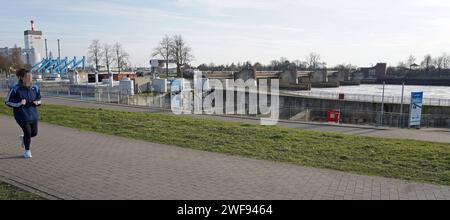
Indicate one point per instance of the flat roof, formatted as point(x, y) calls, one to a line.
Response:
point(29, 32)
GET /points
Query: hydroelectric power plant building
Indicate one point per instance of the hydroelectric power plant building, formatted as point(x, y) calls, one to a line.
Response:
point(33, 46)
point(31, 54)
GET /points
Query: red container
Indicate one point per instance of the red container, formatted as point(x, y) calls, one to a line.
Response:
point(334, 115)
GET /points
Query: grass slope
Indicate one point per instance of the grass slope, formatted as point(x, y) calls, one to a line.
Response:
point(9, 192)
point(402, 159)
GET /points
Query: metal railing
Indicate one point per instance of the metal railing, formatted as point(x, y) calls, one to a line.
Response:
point(369, 98)
point(370, 118)
point(106, 95)
point(287, 112)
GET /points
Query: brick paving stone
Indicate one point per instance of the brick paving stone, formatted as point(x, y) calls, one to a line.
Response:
point(71, 164)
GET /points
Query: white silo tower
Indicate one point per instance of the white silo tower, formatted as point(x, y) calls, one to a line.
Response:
point(33, 45)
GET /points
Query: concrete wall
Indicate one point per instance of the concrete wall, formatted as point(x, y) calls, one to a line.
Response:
point(319, 76)
point(354, 112)
point(338, 76)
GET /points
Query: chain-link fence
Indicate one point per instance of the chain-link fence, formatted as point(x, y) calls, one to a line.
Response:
point(6, 83)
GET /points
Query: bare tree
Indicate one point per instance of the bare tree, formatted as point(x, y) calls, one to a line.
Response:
point(233, 67)
point(300, 64)
point(258, 66)
point(446, 61)
point(16, 58)
point(95, 54)
point(107, 56)
point(187, 56)
point(283, 60)
point(401, 64)
point(5, 65)
point(439, 62)
point(427, 62)
point(313, 60)
point(163, 50)
point(411, 60)
point(274, 65)
point(181, 53)
point(121, 56)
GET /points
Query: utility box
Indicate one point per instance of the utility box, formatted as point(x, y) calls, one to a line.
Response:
point(333, 116)
point(126, 86)
point(159, 85)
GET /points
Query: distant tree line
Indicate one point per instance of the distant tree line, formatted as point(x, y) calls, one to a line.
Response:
point(311, 62)
point(428, 66)
point(427, 63)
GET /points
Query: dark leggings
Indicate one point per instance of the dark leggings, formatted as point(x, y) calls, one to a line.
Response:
point(30, 130)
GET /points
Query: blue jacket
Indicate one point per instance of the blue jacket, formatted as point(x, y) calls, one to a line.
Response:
point(24, 113)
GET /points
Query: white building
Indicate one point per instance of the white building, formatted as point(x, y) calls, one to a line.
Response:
point(159, 66)
point(32, 53)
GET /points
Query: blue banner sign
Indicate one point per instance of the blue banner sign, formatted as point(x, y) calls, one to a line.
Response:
point(416, 109)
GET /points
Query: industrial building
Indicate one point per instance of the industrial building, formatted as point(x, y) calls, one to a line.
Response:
point(31, 54)
point(159, 66)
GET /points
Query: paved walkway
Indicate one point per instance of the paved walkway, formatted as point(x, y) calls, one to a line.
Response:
point(435, 135)
point(70, 164)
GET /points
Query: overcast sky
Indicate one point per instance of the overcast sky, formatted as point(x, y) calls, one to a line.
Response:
point(360, 32)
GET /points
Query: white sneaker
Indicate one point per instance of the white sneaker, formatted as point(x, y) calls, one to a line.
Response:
point(27, 154)
point(21, 142)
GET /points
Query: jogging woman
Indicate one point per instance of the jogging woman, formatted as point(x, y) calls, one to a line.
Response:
point(24, 97)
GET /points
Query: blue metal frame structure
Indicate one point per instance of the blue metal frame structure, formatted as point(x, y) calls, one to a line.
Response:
point(58, 66)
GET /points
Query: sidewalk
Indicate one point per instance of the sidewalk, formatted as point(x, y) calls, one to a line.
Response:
point(70, 164)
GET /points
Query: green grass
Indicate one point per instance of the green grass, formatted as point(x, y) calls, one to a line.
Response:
point(403, 159)
point(9, 192)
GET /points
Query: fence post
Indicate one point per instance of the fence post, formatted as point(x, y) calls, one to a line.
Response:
point(401, 105)
point(128, 99)
point(382, 104)
point(81, 94)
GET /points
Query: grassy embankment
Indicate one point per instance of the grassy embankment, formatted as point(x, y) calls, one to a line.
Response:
point(9, 192)
point(403, 159)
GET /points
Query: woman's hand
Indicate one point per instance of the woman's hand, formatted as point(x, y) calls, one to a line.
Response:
point(36, 103)
point(23, 102)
